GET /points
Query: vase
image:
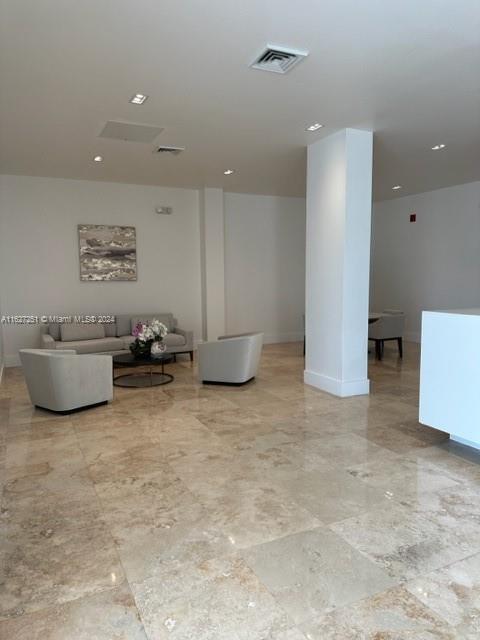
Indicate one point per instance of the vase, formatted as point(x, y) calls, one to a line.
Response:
point(158, 347)
point(140, 349)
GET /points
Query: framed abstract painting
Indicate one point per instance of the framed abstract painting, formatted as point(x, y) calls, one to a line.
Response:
point(107, 253)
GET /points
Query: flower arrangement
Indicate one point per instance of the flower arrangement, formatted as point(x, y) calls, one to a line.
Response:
point(145, 334)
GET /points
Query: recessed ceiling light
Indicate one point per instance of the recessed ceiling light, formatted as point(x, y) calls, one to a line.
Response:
point(396, 187)
point(229, 172)
point(314, 127)
point(437, 147)
point(138, 98)
point(98, 159)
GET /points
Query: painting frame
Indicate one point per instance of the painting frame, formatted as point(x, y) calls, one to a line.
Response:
point(107, 253)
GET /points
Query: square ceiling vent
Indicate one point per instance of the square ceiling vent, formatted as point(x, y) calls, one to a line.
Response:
point(130, 132)
point(278, 59)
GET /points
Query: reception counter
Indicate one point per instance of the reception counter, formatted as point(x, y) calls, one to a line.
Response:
point(450, 374)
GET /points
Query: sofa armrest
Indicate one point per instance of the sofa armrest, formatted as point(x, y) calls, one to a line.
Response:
point(188, 335)
point(47, 341)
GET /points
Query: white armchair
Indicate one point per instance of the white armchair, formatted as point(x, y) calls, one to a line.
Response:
point(389, 326)
point(62, 381)
point(231, 359)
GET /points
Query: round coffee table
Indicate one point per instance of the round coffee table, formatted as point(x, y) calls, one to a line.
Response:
point(148, 378)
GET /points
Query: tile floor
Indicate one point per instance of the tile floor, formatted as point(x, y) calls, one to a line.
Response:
point(267, 512)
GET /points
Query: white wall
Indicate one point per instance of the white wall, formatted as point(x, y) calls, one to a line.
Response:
point(433, 263)
point(265, 265)
point(39, 265)
point(39, 268)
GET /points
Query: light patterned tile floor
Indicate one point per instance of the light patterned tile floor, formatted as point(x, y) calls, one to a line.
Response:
point(267, 512)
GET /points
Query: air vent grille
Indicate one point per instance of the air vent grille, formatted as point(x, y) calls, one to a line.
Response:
point(174, 151)
point(278, 59)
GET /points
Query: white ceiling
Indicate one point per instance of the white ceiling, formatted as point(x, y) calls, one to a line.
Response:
point(408, 70)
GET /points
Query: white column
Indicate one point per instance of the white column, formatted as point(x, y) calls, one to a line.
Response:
point(212, 238)
point(339, 203)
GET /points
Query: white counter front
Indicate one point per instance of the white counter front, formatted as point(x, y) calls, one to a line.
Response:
point(450, 373)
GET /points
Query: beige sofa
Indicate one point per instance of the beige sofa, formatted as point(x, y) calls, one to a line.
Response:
point(113, 338)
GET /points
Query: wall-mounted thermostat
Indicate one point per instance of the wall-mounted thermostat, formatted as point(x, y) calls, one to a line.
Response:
point(164, 211)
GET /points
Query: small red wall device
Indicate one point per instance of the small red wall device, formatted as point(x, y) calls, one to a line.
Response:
point(413, 217)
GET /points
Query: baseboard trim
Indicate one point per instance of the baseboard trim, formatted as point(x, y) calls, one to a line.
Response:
point(340, 388)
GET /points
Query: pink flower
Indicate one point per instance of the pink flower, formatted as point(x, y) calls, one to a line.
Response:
point(137, 329)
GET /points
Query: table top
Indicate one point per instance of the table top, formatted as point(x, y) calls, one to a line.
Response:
point(129, 360)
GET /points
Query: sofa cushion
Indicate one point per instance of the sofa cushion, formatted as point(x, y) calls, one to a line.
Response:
point(127, 340)
point(110, 329)
point(174, 340)
point(54, 330)
point(123, 324)
point(166, 318)
point(81, 331)
point(92, 346)
point(171, 340)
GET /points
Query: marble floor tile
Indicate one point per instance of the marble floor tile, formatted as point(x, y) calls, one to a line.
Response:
point(453, 593)
point(134, 461)
point(404, 480)
point(456, 507)
point(314, 571)
point(249, 513)
point(333, 495)
point(205, 470)
point(277, 455)
point(452, 458)
point(204, 404)
point(238, 512)
point(43, 568)
point(110, 419)
point(108, 615)
point(48, 481)
point(33, 432)
point(61, 450)
point(191, 537)
point(392, 438)
point(347, 449)
point(156, 521)
point(24, 413)
point(213, 600)
point(191, 436)
point(238, 429)
point(404, 542)
point(392, 615)
point(45, 516)
point(420, 432)
point(98, 448)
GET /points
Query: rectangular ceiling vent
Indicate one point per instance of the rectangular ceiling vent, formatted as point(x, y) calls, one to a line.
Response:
point(130, 131)
point(173, 151)
point(278, 59)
